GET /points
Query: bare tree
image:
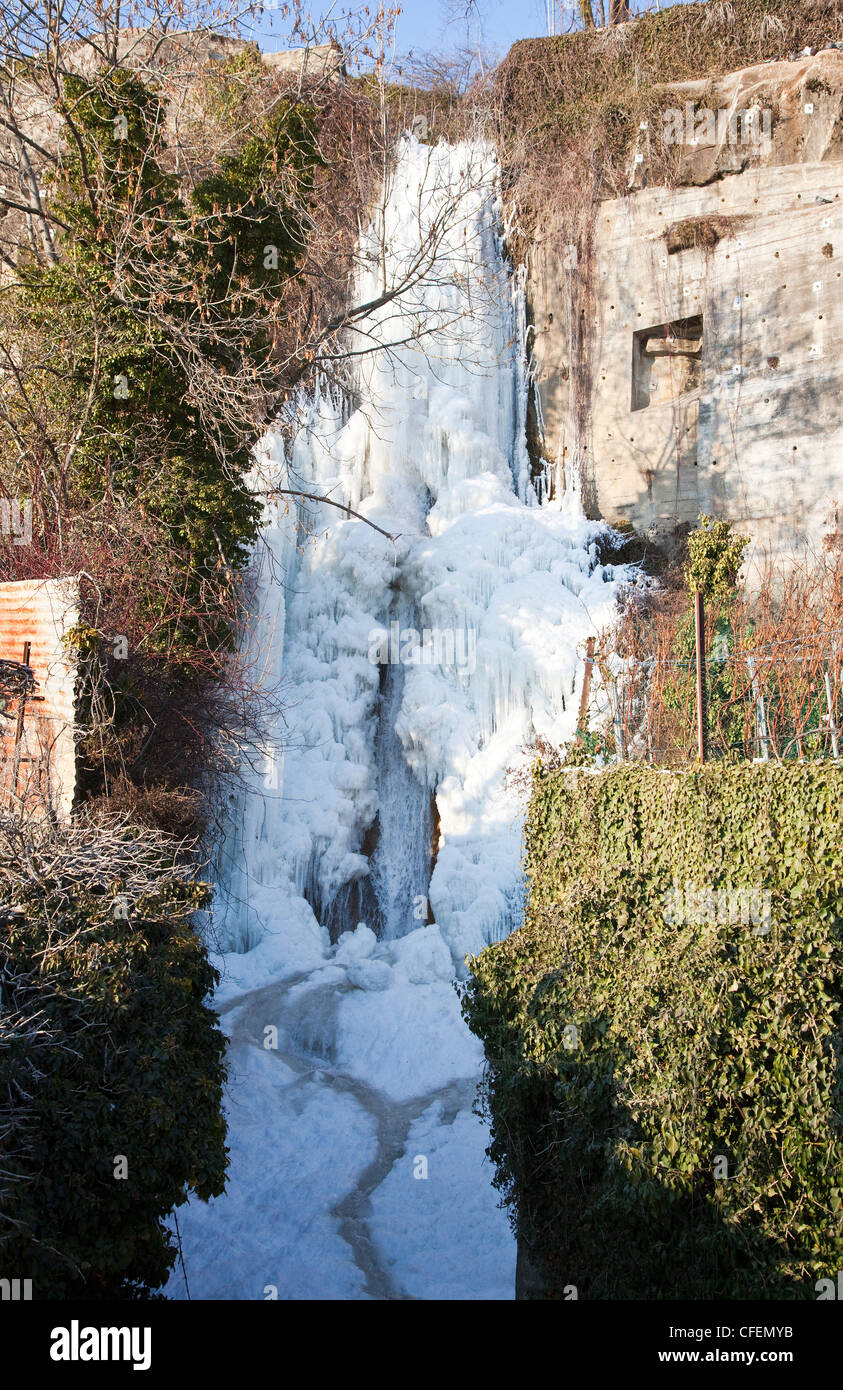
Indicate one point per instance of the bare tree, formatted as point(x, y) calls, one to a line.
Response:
point(44, 47)
point(212, 97)
point(565, 15)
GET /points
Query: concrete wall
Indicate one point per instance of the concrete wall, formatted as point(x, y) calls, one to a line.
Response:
point(43, 765)
point(750, 425)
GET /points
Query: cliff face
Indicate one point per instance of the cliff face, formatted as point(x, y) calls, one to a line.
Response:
point(712, 314)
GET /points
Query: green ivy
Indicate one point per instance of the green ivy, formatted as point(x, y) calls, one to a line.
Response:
point(633, 1048)
point(715, 556)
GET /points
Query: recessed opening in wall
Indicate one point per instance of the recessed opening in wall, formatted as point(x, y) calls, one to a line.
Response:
point(666, 361)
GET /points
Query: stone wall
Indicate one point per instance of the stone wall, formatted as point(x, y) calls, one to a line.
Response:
point(714, 320)
point(189, 50)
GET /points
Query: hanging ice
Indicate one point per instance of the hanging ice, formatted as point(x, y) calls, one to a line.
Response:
point(498, 589)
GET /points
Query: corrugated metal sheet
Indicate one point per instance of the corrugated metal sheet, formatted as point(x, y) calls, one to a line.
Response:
point(43, 762)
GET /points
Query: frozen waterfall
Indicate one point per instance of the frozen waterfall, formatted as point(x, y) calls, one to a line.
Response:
point(379, 843)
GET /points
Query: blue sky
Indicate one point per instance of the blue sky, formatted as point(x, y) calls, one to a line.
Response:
point(440, 25)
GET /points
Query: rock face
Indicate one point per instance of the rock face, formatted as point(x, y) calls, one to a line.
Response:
point(155, 54)
point(149, 49)
point(713, 379)
point(320, 60)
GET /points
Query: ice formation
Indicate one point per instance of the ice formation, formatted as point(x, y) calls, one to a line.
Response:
point(380, 842)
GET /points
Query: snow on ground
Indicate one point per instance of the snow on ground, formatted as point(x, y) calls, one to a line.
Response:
point(413, 1209)
point(371, 1068)
point(296, 1150)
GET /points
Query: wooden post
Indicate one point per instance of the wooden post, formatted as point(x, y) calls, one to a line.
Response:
point(699, 622)
point(798, 739)
point(586, 685)
point(16, 758)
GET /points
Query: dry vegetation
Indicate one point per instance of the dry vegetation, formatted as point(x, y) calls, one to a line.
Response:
point(570, 107)
point(774, 669)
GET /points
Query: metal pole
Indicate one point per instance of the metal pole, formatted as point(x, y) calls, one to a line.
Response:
point(620, 752)
point(760, 712)
point(699, 622)
point(16, 758)
point(835, 745)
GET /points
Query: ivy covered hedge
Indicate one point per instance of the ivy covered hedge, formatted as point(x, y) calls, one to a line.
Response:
point(663, 1035)
point(112, 1064)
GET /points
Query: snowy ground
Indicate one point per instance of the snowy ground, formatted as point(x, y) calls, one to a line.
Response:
point(357, 1167)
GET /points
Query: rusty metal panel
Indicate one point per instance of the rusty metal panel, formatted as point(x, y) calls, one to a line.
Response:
point(38, 750)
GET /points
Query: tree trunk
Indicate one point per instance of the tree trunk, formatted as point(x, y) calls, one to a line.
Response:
point(619, 12)
point(586, 14)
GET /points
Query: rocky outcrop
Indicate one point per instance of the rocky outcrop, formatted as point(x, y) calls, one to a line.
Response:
point(714, 318)
point(325, 59)
point(773, 114)
point(191, 49)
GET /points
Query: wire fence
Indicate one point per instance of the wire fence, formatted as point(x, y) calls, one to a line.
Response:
point(771, 678)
